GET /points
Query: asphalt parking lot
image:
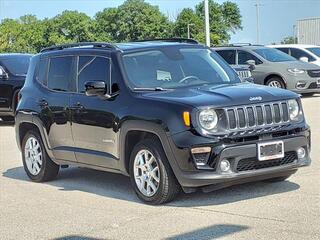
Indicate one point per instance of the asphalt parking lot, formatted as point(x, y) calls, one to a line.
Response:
point(88, 204)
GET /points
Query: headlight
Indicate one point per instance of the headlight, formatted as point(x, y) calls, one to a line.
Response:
point(295, 71)
point(294, 109)
point(208, 119)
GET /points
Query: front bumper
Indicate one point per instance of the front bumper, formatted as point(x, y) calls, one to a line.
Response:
point(312, 85)
point(204, 178)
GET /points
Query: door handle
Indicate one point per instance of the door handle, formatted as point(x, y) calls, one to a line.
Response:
point(43, 103)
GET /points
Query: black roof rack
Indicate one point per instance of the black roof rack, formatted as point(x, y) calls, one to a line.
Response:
point(179, 40)
point(238, 45)
point(80, 44)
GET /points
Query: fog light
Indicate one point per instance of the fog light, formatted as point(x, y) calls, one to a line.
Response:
point(225, 165)
point(301, 152)
point(301, 85)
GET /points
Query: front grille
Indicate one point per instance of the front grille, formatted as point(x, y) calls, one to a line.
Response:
point(254, 164)
point(243, 74)
point(256, 116)
point(314, 73)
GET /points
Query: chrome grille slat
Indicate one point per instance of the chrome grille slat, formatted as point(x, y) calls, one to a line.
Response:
point(257, 120)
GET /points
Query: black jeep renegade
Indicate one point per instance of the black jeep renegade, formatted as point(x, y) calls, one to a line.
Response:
point(171, 114)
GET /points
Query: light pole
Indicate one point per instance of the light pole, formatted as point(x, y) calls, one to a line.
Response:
point(258, 20)
point(206, 17)
point(188, 26)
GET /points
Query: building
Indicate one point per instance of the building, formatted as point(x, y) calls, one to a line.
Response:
point(308, 31)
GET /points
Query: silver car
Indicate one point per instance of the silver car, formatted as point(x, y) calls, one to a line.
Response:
point(274, 68)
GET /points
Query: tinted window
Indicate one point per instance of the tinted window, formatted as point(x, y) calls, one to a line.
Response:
point(228, 55)
point(315, 50)
point(285, 50)
point(243, 57)
point(273, 55)
point(17, 65)
point(92, 69)
point(60, 73)
point(42, 71)
point(177, 68)
point(298, 53)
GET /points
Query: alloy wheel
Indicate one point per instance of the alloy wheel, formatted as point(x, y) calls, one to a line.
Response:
point(33, 155)
point(275, 84)
point(146, 173)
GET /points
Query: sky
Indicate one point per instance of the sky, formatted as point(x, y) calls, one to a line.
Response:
point(277, 17)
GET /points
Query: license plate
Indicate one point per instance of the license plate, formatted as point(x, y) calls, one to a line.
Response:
point(270, 150)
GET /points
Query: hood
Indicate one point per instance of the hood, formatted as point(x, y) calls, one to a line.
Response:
point(298, 64)
point(222, 95)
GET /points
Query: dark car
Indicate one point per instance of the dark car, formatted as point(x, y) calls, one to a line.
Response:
point(13, 71)
point(171, 114)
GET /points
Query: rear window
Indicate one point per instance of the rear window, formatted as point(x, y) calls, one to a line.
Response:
point(17, 65)
point(228, 55)
point(60, 73)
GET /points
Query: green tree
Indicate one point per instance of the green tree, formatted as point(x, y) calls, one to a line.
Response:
point(185, 17)
point(69, 26)
point(288, 40)
point(22, 35)
point(133, 20)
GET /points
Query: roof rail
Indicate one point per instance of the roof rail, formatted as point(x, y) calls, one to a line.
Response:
point(179, 40)
point(80, 44)
point(239, 45)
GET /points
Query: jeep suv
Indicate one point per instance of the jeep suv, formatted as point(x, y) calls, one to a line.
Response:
point(274, 68)
point(13, 70)
point(171, 114)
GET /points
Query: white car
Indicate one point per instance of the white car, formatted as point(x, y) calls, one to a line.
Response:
point(302, 52)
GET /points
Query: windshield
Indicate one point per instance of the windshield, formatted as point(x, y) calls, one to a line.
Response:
point(173, 67)
point(274, 55)
point(17, 65)
point(315, 50)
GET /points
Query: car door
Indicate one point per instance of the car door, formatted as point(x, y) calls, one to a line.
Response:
point(6, 88)
point(92, 116)
point(56, 75)
point(258, 73)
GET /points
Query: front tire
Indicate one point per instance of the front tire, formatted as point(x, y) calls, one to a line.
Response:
point(275, 82)
point(37, 164)
point(151, 175)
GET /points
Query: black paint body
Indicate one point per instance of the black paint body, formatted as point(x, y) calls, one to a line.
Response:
point(94, 132)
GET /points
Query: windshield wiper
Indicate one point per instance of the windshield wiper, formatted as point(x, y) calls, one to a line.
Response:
point(151, 89)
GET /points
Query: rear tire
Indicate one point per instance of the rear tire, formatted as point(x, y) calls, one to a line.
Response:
point(275, 82)
point(37, 164)
point(154, 183)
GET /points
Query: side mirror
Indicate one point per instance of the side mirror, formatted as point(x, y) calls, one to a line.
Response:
point(3, 73)
point(252, 64)
point(304, 59)
point(95, 88)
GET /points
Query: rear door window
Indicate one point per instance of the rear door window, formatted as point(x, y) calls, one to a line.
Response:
point(91, 69)
point(228, 55)
point(60, 73)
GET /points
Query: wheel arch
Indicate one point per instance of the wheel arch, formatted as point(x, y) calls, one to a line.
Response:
point(276, 75)
point(132, 132)
point(26, 121)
